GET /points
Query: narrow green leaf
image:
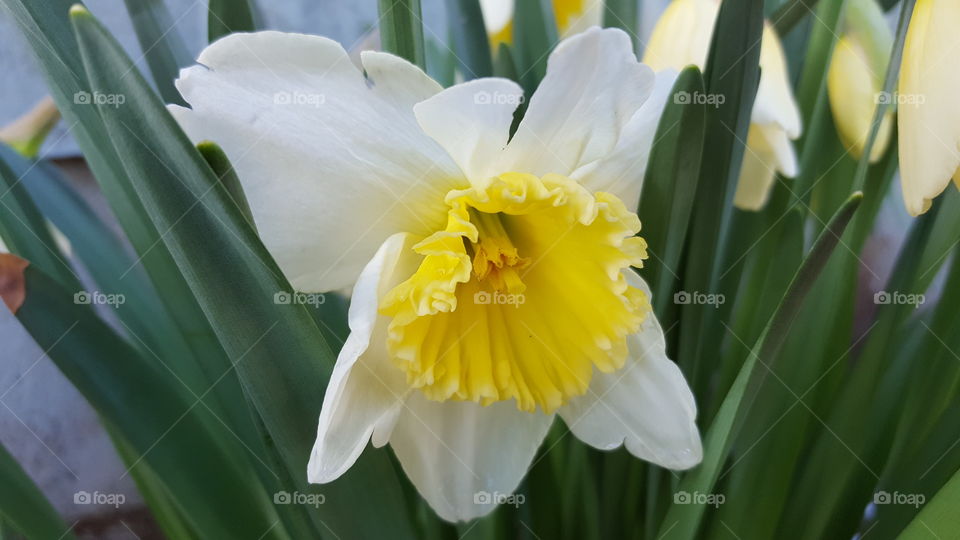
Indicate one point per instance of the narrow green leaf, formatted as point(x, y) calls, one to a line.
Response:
point(470, 38)
point(161, 44)
point(285, 361)
point(790, 13)
point(534, 36)
point(229, 16)
point(401, 29)
point(670, 185)
point(683, 520)
point(227, 175)
point(939, 518)
point(623, 14)
point(179, 437)
point(733, 73)
point(24, 507)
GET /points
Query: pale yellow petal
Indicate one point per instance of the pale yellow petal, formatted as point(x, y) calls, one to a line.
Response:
point(853, 90)
point(930, 127)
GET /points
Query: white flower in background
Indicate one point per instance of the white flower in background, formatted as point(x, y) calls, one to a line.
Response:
point(572, 16)
point(492, 280)
point(855, 78)
point(682, 37)
point(929, 108)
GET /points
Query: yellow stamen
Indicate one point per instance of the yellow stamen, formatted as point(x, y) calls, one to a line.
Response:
point(521, 296)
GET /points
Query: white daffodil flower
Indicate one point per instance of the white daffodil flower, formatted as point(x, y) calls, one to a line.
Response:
point(929, 108)
point(492, 280)
point(682, 37)
point(855, 78)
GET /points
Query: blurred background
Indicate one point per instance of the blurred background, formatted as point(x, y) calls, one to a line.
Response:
point(44, 421)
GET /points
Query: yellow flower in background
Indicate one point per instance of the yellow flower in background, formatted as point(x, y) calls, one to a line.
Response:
point(572, 16)
point(929, 103)
point(682, 37)
point(493, 280)
point(855, 78)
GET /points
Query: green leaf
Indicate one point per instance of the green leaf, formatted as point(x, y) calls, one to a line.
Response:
point(670, 185)
point(534, 36)
point(939, 518)
point(401, 30)
point(217, 159)
point(178, 436)
point(24, 507)
point(470, 38)
point(733, 71)
point(285, 360)
point(229, 16)
point(683, 520)
point(26, 232)
point(623, 14)
point(161, 44)
point(790, 13)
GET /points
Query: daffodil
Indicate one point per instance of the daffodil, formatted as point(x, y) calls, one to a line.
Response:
point(27, 133)
point(929, 108)
point(492, 277)
point(682, 37)
point(855, 78)
point(572, 16)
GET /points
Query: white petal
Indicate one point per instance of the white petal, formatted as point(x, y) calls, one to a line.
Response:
point(775, 103)
point(365, 390)
point(497, 14)
point(332, 163)
point(621, 172)
point(646, 406)
point(768, 151)
point(930, 119)
point(461, 456)
point(593, 87)
point(682, 35)
point(472, 122)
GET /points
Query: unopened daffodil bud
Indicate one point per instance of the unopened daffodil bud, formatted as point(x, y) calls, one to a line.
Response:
point(929, 104)
point(682, 37)
point(855, 78)
point(27, 133)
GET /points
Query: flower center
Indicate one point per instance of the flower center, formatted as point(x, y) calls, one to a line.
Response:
point(521, 296)
point(495, 259)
